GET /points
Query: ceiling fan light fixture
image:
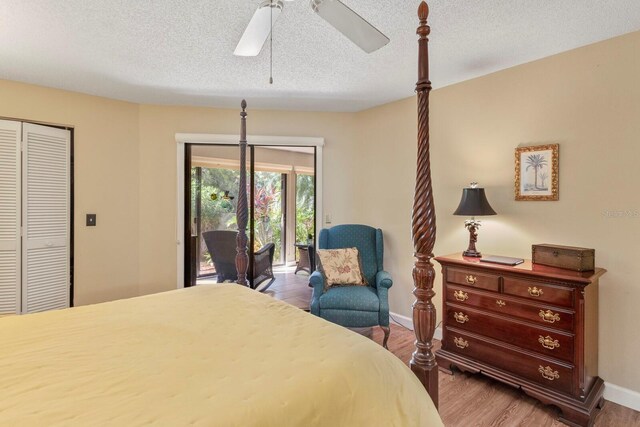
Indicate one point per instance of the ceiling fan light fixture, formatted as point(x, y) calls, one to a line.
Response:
point(349, 23)
point(259, 27)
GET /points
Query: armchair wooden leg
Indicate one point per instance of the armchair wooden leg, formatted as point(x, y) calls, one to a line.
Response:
point(386, 330)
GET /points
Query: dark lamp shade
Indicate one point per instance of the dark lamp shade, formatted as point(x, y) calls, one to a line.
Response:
point(474, 203)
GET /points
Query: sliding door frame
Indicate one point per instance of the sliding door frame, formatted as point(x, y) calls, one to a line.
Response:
point(184, 139)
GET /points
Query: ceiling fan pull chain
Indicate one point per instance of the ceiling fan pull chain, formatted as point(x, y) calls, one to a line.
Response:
point(271, 46)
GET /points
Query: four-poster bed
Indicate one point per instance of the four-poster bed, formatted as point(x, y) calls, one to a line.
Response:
point(423, 362)
point(222, 354)
point(209, 355)
point(242, 210)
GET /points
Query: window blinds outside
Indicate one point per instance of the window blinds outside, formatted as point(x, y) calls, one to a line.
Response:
point(45, 218)
point(10, 217)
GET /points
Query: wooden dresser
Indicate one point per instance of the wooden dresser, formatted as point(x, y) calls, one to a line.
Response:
point(531, 326)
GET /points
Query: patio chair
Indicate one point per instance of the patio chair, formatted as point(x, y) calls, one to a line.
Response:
point(221, 244)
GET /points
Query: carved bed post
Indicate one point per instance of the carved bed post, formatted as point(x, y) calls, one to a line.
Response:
point(423, 362)
point(242, 259)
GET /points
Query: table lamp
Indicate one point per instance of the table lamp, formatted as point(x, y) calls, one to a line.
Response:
point(473, 203)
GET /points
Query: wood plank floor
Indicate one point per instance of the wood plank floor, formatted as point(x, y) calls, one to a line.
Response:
point(291, 288)
point(475, 400)
point(465, 399)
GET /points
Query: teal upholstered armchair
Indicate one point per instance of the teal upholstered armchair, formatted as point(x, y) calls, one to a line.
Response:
point(355, 306)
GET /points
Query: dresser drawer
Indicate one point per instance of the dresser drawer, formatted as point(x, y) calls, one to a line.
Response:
point(476, 280)
point(552, 374)
point(538, 291)
point(551, 317)
point(551, 343)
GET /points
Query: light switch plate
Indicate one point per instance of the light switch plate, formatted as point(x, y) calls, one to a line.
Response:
point(91, 220)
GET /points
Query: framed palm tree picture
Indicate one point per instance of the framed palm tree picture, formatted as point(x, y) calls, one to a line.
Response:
point(537, 172)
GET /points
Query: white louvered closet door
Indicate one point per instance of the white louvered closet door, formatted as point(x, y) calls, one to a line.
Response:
point(10, 217)
point(45, 218)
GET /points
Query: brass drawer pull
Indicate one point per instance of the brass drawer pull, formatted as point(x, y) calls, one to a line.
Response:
point(535, 292)
point(461, 296)
point(549, 316)
point(500, 303)
point(460, 343)
point(471, 279)
point(548, 342)
point(461, 317)
point(548, 373)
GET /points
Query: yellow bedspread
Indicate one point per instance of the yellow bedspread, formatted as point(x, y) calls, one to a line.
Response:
point(216, 355)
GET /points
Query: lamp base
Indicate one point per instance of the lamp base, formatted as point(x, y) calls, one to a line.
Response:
point(472, 225)
point(472, 253)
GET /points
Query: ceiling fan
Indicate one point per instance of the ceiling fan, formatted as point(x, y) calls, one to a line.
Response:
point(336, 13)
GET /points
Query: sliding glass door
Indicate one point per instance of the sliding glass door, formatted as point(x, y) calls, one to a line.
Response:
point(215, 201)
point(281, 208)
point(305, 208)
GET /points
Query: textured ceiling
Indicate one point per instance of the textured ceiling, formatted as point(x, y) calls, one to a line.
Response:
point(181, 51)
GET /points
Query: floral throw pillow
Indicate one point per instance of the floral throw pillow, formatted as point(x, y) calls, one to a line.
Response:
point(341, 267)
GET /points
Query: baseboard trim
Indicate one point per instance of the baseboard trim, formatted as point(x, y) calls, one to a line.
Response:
point(401, 320)
point(407, 322)
point(438, 334)
point(622, 396)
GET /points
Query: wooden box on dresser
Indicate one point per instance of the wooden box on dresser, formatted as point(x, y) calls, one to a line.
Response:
point(530, 326)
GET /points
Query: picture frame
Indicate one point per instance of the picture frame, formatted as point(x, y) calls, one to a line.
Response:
point(536, 174)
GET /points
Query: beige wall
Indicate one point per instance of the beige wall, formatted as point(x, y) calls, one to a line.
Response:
point(588, 101)
point(106, 182)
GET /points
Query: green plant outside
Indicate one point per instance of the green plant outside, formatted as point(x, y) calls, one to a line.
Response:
point(305, 215)
point(268, 218)
point(217, 213)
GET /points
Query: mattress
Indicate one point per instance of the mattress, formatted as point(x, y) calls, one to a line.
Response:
point(213, 355)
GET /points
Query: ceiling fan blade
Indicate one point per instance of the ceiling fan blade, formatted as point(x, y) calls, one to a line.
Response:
point(256, 33)
point(349, 23)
